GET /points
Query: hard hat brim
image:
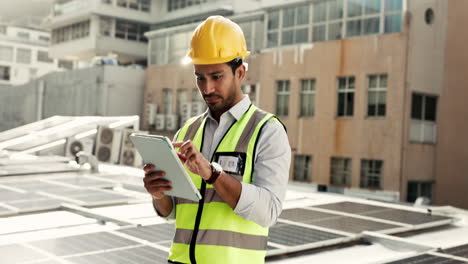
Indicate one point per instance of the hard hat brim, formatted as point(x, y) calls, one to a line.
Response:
point(205, 61)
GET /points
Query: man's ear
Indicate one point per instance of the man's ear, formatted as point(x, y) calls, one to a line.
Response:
point(240, 72)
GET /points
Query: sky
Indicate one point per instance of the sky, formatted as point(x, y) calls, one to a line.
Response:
point(11, 9)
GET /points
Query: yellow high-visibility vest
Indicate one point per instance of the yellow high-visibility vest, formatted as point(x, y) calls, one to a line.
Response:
point(209, 231)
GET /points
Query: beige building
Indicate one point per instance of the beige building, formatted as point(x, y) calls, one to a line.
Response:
point(371, 91)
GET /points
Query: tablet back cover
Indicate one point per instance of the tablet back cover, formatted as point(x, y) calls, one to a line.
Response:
point(159, 151)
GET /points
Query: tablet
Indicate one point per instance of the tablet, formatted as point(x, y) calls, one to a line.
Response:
point(159, 151)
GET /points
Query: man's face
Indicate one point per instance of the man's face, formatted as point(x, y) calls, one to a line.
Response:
point(219, 87)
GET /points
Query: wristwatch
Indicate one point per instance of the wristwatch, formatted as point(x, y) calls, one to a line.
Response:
point(216, 170)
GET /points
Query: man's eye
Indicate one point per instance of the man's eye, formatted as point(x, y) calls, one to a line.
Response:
point(200, 78)
point(217, 77)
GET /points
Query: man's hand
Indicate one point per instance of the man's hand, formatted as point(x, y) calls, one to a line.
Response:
point(193, 159)
point(153, 182)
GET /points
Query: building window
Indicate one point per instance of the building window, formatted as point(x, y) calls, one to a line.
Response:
point(302, 168)
point(22, 35)
point(393, 15)
point(293, 26)
point(105, 26)
point(371, 174)
point(65, 64)
point(43, 56)
point(346, 87)
point(6, 53)
point(173, 5)
point(307, 106)
point(376, 96)
point(71, 32)
point(44, 39)
point(141, 5)
point(167, 101)
point(329, 21)
point(130, 31)
point(341, 171)
point(23, 56)
point(418, 189)
point(3, 29)
point(423, 118)
point(282, 98)
point(5, 73)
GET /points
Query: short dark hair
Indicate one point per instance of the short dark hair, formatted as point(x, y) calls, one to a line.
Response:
point(234, 64)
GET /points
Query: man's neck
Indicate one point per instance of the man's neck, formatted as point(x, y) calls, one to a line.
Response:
point(217, 114)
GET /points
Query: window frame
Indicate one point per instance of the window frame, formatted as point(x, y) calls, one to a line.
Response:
point(312, 83)
point(345, 173)
point(285, 85)
point(378, 89)
point(346, 91)
point(305, 168)
point(370, 175)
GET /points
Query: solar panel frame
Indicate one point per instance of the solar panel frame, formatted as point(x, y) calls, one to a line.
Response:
point(152, 233)
point(426, 259)
point(17, 253)
point(139, 254)
point(79, 244)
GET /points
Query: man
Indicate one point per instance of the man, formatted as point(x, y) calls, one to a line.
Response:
point(242, 169)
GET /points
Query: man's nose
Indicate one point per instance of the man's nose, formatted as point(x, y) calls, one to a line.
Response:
point(209, 87)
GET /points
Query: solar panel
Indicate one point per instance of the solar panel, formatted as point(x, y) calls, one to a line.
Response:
point(407, 217)
point(82, 244)
point(36, 205)
point(334, 221)
point(152, 233)
point(16, 253)
point(305, 216)
point(350, 207)
point(85, 182)
point(426, 259)
point(135, 188)
point(460, 251)
point(36, 169)
point(138, 255)
point(32, 185)
point(293, 235)
point(8, 195)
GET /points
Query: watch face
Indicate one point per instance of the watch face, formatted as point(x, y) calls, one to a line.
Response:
point(216, 166)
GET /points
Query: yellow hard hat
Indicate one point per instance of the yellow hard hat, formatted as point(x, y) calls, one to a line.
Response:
point(216, 40)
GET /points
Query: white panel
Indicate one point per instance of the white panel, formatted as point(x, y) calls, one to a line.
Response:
point(108, 144)
point(160, 122)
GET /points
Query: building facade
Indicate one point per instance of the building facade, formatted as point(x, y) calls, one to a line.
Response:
point(83, 29)
point(361, 85)
point(24, 55)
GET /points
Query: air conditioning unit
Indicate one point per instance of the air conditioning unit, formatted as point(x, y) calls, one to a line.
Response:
point(129, 156)
point(160, 122)
point(171, 122)
point(151, 113)
point(198, 108)
point(74, 146)
point(108, 144)
point(185, 113)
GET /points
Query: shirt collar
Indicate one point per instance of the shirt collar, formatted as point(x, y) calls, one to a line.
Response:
point(238, 110)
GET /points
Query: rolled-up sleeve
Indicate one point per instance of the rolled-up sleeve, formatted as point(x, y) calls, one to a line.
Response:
point(262, 201)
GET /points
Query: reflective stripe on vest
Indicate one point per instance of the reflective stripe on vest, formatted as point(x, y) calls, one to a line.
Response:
point(221, 236)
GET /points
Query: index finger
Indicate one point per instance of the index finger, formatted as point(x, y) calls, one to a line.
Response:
point(178, 144)
point(149, 167)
